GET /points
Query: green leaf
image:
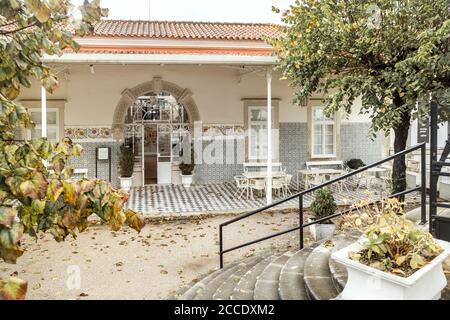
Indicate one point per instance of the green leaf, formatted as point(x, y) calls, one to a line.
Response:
point(417, 261)
point(9, 243)
point(54, 190)
point(134, 220)
point(69, 193)
point(43, 13)
point(13, 289)
point(7, 216)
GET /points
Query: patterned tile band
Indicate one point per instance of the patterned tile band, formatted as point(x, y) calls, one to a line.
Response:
point(88, 133)
point(105, 133)
point(223, 130)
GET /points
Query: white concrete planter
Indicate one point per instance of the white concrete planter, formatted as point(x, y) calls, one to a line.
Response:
point(321, 231)
point(125, 183)
point(367, 283)
point(186, 180)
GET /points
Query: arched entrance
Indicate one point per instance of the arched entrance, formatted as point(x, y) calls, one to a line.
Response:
point(153, 118)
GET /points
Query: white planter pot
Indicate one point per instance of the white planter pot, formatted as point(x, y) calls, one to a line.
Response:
point(125, 183)
point(186, 180)
point(321, 231)
point(367, 283)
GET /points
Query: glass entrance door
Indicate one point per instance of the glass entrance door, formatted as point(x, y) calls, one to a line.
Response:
point(149, 154)
point(157, 154)
point(164, 154)
point(155, 123)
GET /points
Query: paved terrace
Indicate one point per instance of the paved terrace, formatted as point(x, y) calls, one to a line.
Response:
point(220, 198)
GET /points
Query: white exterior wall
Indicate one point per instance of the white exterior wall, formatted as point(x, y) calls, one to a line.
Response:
point(91, 100)
point(217, 91)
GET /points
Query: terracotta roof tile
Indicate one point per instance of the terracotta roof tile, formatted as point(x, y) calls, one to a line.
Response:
point(185, 30)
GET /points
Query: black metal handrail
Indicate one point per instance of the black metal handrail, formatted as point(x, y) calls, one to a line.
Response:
point(300, 195)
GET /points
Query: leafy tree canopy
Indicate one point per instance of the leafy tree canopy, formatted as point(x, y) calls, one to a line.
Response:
point(37, 193)
point(391, 54)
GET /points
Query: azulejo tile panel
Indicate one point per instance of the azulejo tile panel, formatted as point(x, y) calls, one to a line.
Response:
point(88, 133)
point(212, 130)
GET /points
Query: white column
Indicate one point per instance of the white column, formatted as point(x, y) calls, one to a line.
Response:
point(269, 136)
point(44, 112)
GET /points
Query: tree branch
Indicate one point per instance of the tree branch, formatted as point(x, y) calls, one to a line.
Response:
point(8, 32)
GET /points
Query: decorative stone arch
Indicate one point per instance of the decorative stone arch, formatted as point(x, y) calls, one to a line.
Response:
point(129, 96)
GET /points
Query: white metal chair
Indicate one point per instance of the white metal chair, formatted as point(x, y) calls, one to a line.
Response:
point(278, 184)
point(257, 184)
point(365, 177)
point(242, 185)
point(386, 179)
point(314, 180)
point(287, 183)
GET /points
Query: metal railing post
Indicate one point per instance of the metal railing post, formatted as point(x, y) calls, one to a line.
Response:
point(433, 159)
point(221, 246)
point(300, 211)
point(423, 209)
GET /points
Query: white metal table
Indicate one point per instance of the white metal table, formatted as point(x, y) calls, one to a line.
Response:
point(308, 173)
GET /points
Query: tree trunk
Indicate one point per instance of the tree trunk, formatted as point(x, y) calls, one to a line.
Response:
point(399, 166)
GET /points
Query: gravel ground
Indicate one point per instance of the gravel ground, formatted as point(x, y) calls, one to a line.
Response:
point(151, 265)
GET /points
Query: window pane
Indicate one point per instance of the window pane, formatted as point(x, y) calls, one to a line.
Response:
point(51, 117)
point(51, 133)
point(317, 149)
point(329, 140)
point(36, 117)
point(329, 149)
point(318, 114)
point(329, 129)
point(258, 115)
point(318, 134)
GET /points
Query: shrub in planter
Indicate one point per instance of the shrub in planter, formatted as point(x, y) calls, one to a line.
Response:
point(400, 260)
point(355, 164)
point(126, 166)
point(187, 170)
point(323, 206)
point(393, 244)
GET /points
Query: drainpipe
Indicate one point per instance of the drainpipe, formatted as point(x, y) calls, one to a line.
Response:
point(43, 112)
point(269, 136)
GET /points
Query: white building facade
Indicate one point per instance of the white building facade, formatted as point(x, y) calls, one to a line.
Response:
point(149, 84)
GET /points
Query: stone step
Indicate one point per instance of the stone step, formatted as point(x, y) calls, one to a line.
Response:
point(226, 289)
point(200, 285)
point(245, 288)
point(292, 284)
point(211, 287)
point(267, 283)
point(338, 271)
point(317, 275)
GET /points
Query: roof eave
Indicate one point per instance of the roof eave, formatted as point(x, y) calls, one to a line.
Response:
point(169, 59)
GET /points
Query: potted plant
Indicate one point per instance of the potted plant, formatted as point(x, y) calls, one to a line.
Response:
point(187, 170)
point(323, 206)
point(355, 164)
point(394, 260)
point(126, 167)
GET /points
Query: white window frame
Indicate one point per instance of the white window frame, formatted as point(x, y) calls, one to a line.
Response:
point(323, 123)
point(251, 123)
point(56, 126)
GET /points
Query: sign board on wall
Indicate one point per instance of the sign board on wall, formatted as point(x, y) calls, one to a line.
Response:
point(103, 154)
point(423, 130)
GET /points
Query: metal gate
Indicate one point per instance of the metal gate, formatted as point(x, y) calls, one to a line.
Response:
point(439, 225)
